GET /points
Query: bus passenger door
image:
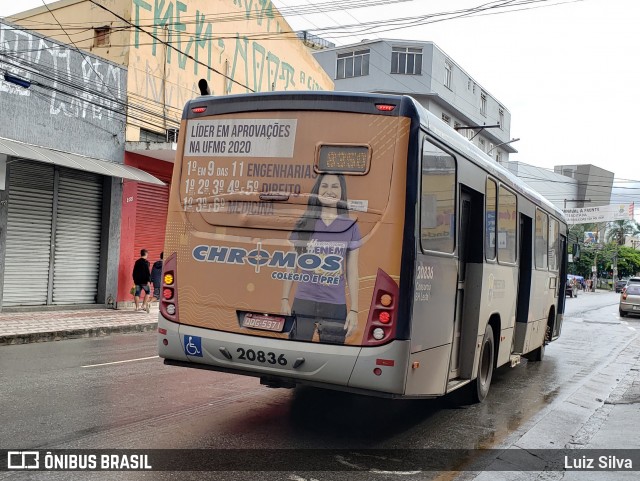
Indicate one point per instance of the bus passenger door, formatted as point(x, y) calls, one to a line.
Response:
point(524, 282)
point(463, 241)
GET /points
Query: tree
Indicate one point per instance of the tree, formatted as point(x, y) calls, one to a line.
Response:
point(619, 229)
point(628, 262)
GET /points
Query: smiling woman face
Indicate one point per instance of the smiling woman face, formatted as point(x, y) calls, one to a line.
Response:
point(330, 191)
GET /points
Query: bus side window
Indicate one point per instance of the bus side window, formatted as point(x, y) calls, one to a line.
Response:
point(541, 244)
point(490, 219)
point(507, 226)
point(554, 242)
point(437, 200)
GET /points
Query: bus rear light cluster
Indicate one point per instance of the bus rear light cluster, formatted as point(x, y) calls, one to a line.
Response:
point(382, 322)
point(169, 300)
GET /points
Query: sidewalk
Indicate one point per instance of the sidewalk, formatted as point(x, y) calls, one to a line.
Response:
point(40, 326)
point(600, 415)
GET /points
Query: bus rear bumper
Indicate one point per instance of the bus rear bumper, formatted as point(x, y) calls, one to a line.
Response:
point(277, 361)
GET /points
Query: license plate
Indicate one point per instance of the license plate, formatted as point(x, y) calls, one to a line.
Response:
point(263, 322)
point(636, 308)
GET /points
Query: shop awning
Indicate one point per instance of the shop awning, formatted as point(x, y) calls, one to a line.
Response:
point(74, 161)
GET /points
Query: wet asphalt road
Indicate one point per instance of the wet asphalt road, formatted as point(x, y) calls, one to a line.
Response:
point(112, 392)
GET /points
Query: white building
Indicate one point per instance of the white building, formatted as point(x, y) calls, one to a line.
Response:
point(424, 71)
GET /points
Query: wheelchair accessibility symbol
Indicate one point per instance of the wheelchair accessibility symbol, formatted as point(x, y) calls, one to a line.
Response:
point(193, 346)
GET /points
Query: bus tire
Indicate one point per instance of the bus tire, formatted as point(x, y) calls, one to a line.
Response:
point(485, 367)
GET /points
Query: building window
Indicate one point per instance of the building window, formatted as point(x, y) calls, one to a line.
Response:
point(483, 103)
point(448, 73)
point(499, 157)
point(482, 145)
point(469, 84)
point(352, 64)
point(101, 36)
point(406, 61)
point(446, 119)
point(150, 136)
point(456, 126)
point(501, 118)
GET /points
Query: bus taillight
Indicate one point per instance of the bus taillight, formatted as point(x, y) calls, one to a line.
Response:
point(381, 324)
point(169, 300)
point(385, 107)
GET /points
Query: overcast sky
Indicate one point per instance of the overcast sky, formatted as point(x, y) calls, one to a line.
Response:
point(568, 71)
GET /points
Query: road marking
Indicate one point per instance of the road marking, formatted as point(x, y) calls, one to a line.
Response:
point(631, 328)
point(121, 362)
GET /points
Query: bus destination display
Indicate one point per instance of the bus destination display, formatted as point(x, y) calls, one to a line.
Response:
point(344, 159)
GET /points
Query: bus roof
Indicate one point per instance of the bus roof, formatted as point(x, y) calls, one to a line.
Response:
point(366, 103)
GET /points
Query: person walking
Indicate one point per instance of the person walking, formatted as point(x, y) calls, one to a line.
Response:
point(156, 279)
point(141, 279)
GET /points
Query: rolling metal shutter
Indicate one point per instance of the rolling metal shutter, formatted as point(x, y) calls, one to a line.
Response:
point(45, 199)
point(29, 221)
point(151, 220)
point(77, 241)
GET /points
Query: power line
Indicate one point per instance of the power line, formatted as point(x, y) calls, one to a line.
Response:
point(169, 45)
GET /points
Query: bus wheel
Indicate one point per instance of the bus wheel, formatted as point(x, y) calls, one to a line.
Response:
point(485, 366)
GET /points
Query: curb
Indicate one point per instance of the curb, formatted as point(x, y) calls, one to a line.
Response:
point(14, 339)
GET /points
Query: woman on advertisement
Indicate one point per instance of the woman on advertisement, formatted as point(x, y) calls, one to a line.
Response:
point(325, 229)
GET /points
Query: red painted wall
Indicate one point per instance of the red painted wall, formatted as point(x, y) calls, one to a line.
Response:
point(163, 171)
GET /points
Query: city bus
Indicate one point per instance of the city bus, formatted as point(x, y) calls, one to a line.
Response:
point(354, 242)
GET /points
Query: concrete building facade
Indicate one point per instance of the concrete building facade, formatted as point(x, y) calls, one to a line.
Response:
point(427, 73)
point(594, 184)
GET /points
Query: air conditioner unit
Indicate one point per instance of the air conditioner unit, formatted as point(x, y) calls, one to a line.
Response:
point(172, 135)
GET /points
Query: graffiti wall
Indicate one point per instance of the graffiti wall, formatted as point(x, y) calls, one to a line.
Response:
point(169, 45)
point(71, 96)
point(239, 46)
